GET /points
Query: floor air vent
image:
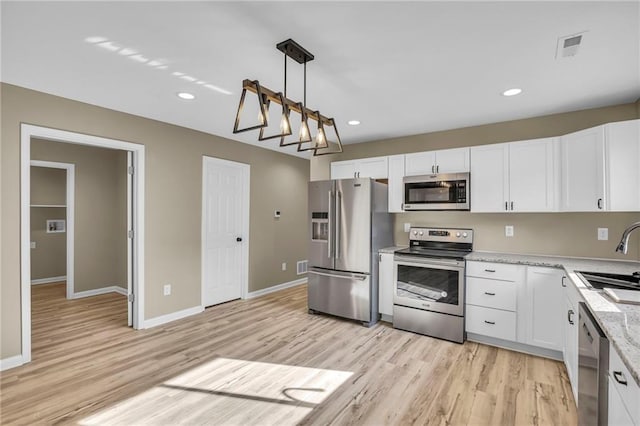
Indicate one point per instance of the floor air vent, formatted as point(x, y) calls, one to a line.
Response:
point(301, 267)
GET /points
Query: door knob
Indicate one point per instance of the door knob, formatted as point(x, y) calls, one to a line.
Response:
point(239, 239)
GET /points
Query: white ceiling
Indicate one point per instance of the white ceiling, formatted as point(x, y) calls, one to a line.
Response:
point(401, 68)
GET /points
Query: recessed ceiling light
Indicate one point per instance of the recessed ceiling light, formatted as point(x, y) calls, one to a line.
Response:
point(512, 92)
point(353, 122)
point(185, 95)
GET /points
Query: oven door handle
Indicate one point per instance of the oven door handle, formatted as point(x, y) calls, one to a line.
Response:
point(343, 275)
point(425, 263)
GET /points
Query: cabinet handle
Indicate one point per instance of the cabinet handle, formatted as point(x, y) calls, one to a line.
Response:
point(489, 270)
point(569, 313)
point(512, 205)
point(490, 322)
point(438, 168)
point(433, 168)
point(620, 377)
point(600, 203)
point(379, 257)
point(563, 283)
point(506, 205)
point(489, 294)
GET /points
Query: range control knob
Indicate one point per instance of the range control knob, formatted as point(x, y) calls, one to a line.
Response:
point(458, 234)
point(415, 232)
point(421, 233)
point(464, 235)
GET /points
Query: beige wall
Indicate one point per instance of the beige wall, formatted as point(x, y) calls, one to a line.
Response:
point(48, 187)
point(569, 234)
point(173, 196)
point(100, 240)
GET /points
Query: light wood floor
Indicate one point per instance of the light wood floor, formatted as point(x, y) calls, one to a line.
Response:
point(266, 361)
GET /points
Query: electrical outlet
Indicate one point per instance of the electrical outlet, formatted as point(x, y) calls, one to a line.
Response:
point(284, 266)
point(407, 227)
point(33, 244)
point(508, 231)
point(603, 234)
point(166, 290)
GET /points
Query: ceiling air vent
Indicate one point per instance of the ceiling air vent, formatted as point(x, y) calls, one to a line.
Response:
point(568, 46)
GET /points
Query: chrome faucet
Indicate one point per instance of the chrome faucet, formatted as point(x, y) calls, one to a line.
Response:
point(624, 241)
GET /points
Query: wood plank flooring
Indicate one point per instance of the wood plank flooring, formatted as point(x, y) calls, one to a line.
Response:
point(266, 361)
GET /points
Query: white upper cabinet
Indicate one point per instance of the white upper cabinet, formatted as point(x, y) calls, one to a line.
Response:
point(374, 167)
point(396, 186)
point(601, 168)
point(489, 178)
point(583, 170)
point(622, 168)
point(534, 175)
point(514, 177)
point(444, 161)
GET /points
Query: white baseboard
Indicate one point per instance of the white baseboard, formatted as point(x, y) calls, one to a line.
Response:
point(98, 291)
point(274, 288)
point(11, 362)
point(48, 280)
point(163, 319)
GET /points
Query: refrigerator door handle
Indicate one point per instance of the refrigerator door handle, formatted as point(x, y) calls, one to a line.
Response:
point(343, 275)
point(330, 235)
point(337, 224)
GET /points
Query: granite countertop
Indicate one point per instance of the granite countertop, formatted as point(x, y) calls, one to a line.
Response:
point(619, 321)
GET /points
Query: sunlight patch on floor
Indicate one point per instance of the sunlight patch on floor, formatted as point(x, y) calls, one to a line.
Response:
point(228, 391)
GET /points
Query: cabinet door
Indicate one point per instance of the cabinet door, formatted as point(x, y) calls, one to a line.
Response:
point(617, 412)
point(489, 178)
point(385, 284)
point(544, 307)
point(343, 169)
point(375, 167)
point(583, 170)
point(570, 349)
point(452, 160)
point(395, 185)
point(622, 148)
point(532, 175)
point(420, 163)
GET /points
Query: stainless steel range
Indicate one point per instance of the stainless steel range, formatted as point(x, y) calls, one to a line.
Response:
point(429, 284)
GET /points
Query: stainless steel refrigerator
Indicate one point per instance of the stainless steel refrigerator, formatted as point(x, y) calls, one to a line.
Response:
point(349, 223)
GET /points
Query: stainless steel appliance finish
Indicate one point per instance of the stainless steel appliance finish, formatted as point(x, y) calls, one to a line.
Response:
point(593, 366)
point(444, 191)
point(349, 224)
point(429, 285)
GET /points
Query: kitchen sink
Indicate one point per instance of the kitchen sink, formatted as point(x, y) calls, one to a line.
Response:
point(600, 280)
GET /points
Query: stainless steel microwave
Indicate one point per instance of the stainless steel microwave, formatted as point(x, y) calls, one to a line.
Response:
point(443, 191)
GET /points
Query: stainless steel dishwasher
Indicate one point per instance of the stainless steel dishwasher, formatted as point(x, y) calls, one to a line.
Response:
point(593, 366)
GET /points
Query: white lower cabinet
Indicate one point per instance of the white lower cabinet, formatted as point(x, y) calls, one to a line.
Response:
point(617, 412)
point(491, 322)
point(624, 393)
point(570, 335)
point(544, 307)
point(385, 284)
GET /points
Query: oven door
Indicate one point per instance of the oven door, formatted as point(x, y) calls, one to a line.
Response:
point(431, 284)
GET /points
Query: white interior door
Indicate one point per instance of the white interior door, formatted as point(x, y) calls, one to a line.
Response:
point(130, 305)
point(225, 230)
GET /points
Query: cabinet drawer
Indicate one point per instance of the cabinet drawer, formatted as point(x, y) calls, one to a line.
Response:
point(491, 293)
point(491, 322)
point(496, 271)
point(630, 393)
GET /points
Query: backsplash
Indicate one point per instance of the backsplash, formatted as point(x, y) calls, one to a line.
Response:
point(560, 234)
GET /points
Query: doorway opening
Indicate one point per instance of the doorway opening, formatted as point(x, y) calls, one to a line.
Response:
point(132, 248)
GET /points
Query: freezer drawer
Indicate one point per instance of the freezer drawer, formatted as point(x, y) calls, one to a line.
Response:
point(343, 294)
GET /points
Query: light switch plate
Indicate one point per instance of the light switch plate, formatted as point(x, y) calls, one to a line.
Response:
point(284, 266)
point(33, 244)
point(407, 227)
point(166, 290)
point(508, 231)
point(603, 234)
